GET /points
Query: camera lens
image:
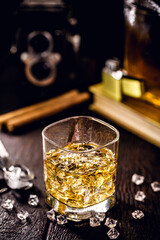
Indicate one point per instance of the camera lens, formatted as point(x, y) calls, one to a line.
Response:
point(40, 41)
point(41, 70)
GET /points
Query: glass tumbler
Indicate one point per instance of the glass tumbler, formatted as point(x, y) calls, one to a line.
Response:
point(80, 164)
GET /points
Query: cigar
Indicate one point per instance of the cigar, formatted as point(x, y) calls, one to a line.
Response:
point(57, 105)
point(21, 111)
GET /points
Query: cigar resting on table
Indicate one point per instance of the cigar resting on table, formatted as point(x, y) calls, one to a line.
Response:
point(29, 114)
point(6, 116)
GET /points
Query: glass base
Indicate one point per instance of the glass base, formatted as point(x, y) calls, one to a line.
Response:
point(79, 214)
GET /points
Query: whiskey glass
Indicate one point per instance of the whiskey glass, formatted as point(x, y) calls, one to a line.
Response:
point(80, 164)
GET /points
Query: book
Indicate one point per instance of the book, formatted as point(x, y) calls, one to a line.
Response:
point(134, 115)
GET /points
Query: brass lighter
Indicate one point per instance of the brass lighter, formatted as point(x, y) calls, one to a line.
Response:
point(117, 84)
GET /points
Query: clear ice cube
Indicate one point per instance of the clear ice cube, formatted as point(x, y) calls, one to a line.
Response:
point(33, 200)
point(14, 178)
point(110, 222)
point(100, 216)
point(137, 179)
point(8, 204)
point(140, 196)
point(137, 214)
point(23, 215)
point(61, 219)
point(155, 186)
point(113, 233)
point(51, 215)
point(94, 222)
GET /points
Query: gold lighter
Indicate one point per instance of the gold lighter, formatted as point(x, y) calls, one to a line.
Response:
point(116, 84)
point(111, 79)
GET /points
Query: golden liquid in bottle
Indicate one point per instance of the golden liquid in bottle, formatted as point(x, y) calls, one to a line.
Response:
point(142, 48)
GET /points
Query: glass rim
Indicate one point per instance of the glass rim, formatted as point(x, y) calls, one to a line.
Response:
point(76, 117)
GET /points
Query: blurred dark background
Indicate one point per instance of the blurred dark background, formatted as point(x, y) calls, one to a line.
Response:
point(97, 24)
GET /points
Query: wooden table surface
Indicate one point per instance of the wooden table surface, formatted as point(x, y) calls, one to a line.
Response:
point(135, 156)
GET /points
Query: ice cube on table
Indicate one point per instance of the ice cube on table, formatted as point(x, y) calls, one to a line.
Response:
point(23, 215)
point(33, 200)
point(51, 215)
point(110, 222)
point(155, 186)
point(100, 216)
point(94, 222)
point(137, 214)
point(8, 204)
point(137, 179)
point(61, 219)
point(113, 233)
point(140, 196)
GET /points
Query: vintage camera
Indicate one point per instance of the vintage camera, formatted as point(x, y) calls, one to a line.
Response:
point(46, 44)
point(40, 60)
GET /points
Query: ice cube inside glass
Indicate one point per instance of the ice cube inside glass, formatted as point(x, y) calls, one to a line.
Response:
point(80, 164)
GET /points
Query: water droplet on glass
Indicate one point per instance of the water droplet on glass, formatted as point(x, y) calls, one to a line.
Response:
point(113, 233)
point(51, 215)
point(137, 179)
point(94, 222)
point(155, 186)
point(140, 196)
point(110, 222)
point(61, 219)
point(33, 200)
point(23, 215)
point(137, 214)
point(8, 204)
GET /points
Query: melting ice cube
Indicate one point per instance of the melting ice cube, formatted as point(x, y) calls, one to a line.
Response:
point(140, 196)
point(100, 216)
point(61, 219)
point(113, 233)
point(51, 215)
point(137, 214)
point(155, 186)
point(8, 204)
point(33, 200)
point(110, 222)
point(137, 179)
point(23, 215)
point(94, 222)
